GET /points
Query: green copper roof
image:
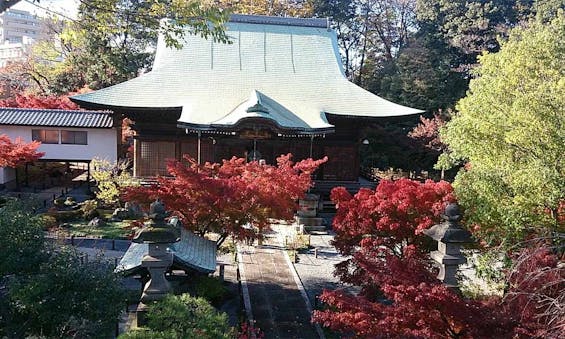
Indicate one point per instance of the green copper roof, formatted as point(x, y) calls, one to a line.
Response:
point(191, 252)
point(291, 66)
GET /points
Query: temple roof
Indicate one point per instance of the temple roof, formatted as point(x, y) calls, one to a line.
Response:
point(292, 66)
point(191, 252)
point(55, 118)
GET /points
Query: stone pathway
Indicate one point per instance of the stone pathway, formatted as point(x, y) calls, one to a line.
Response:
point(316, 267)
point(277, 305)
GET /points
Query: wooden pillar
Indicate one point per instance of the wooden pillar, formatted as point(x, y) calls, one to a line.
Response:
point(136, 157)
point(199, 147)
point(27, 174)
point(88, 174)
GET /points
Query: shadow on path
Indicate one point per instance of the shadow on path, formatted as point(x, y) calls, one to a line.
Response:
point(277, 305)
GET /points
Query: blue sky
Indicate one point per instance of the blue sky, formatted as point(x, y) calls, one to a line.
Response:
point(64, 7)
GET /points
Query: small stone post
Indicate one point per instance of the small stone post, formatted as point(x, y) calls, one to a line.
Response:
point(449, 236)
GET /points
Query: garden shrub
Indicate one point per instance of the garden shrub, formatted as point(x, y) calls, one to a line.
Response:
point(21, 239)
point(211, 289)
point(65, 216)
point(184, 316)
point(66, 298)
point(89, 209)
point(48, 221)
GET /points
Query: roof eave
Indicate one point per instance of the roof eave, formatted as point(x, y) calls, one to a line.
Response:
point(98, 106)
point(374, 118)
point(232, 128)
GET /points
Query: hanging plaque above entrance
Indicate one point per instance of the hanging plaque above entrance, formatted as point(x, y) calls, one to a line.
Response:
point(255, 134)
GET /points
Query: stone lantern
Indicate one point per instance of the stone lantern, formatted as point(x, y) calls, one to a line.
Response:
point(449, 236)
point(157, 234)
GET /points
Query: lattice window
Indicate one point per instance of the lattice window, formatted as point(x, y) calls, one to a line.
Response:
point(153, 156)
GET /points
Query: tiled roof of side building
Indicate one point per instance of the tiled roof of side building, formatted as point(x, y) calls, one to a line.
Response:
point(56, 118)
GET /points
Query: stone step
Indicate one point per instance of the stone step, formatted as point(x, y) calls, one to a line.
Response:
point(309, 221)
point(311, 229)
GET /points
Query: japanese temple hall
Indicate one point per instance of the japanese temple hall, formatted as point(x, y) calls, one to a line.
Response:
point(278, 87)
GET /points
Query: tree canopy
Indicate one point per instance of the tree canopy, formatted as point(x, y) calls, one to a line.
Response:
point(16, 152)
point(510, 130)
point(381, 234)
point(226, 198)
point(111, 41)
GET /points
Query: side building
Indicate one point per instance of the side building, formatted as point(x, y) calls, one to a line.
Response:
point(65, 135)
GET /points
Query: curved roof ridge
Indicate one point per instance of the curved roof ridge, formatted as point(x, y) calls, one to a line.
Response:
point(283, 21)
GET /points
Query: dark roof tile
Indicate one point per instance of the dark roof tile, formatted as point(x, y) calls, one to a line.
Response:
point(56, 117)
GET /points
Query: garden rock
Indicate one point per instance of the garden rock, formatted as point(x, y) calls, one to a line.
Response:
point(120, 214)
point(96, 222)
point(134, 210)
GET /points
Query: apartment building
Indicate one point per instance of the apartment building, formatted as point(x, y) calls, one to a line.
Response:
point(18, 30)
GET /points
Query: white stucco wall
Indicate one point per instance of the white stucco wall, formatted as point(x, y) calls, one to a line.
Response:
point(101, 143)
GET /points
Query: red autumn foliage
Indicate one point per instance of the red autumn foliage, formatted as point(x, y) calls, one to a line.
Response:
point(36, 101)
point(223, 198)
point(400, 296)
point(427, 132)
point(535, 297)
point(14, 153)
point(392, 216)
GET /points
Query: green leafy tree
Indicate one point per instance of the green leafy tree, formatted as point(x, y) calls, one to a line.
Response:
point(113, 40)
point(21, 239)
point(66, 298)
point(510, 131)
point(294, 8)
point(110, 177)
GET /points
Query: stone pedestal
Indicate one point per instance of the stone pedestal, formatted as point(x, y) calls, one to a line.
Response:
point(306, 214)
point(449, 264)
point(157, 261)
point(158, 235)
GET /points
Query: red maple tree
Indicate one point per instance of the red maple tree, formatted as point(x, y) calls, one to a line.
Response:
point(391, 217)
point(427, 132)
point(226, 198)
point(535, 295)
point(37, 101)
point(400, 296)
point(15, 153)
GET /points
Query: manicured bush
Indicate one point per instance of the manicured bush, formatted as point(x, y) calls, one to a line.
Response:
point(65, 216)
point(210, 289)
point(89, 209)
point(184, 316)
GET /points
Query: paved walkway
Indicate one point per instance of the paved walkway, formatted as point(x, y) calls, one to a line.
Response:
point(316, 267)
point(277, 305)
